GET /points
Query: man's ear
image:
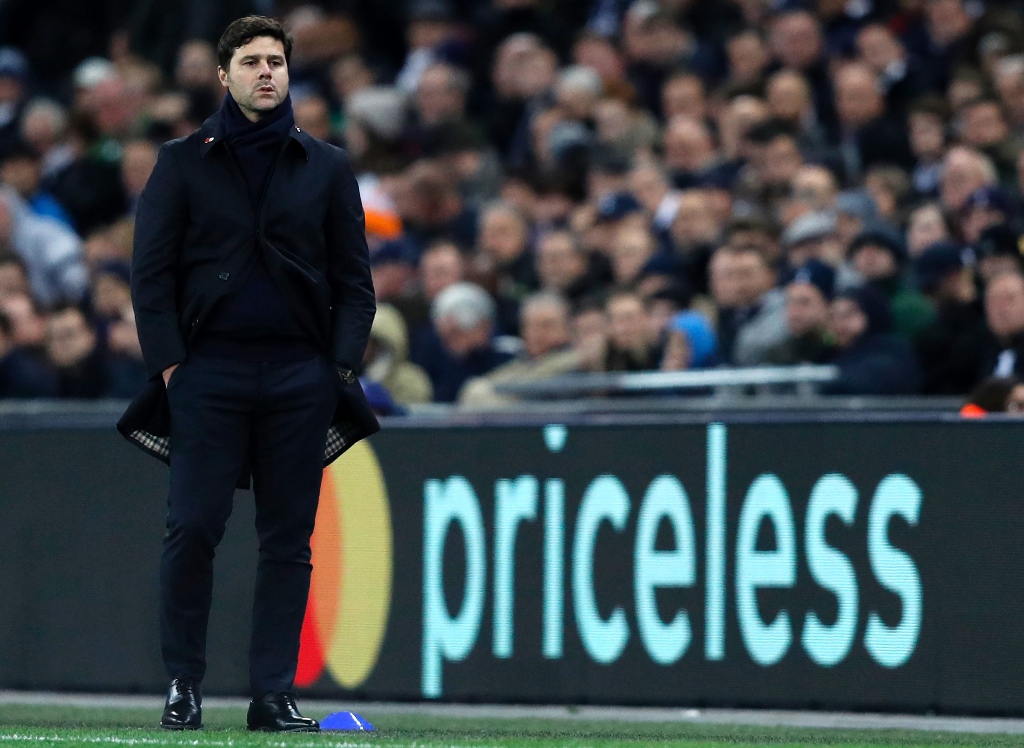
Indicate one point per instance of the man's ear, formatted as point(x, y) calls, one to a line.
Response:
point(223, 76)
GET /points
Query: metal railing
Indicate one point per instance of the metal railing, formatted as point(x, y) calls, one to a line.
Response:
point(805, 380)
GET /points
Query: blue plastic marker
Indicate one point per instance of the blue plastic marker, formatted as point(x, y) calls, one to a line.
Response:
point(346, 721)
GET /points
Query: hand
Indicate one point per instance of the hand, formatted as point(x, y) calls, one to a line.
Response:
point(167, 373)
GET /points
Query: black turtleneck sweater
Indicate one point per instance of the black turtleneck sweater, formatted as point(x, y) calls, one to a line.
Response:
point(256, 322)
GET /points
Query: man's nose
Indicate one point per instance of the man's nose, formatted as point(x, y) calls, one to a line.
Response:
point(264, 70)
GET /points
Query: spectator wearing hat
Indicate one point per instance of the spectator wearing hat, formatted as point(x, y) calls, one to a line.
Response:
point(386, 360)
point(752, 312)
point(999, 250)
point(871, 360)
point(808, 238)
point(1004, 317)
point(951, 346)
point(808, 295)
point(13, 81)
point(985, 207)
point(854, 210)
point(879, 257)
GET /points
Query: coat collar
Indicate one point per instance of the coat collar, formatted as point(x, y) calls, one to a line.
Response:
point(211, 135)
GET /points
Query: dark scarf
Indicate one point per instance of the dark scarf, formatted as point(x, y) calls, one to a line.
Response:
point(256, 145)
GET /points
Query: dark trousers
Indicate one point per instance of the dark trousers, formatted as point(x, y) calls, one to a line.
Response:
point(222, 411)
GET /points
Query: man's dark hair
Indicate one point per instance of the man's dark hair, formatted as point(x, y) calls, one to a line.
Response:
point(244, 30)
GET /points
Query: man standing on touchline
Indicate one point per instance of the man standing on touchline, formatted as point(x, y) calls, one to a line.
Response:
point(253, 299)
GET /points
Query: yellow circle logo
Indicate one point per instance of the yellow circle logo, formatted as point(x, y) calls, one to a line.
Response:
point(350, 591)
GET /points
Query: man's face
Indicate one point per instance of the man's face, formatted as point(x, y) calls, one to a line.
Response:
point(630, 252)
point(847, 322)
point(502, 236)
point(257, 76)
point(12, 280)
point(874, 263)
point(545, 328)
point(796, 40)
point(440, 268)
point(927, 136)
point(627, 323)
point(857, 98)
point(559, 264)
point(806, 309)
point(23, 174)
point(1004, 305)
point(69, 339)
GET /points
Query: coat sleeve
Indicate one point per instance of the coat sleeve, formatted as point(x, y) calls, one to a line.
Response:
point(353, 303)
point(159, 234)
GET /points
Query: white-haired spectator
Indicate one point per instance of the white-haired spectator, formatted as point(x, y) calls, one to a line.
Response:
point(578, 90)
point(964, 170)
point(44, 126)
point(51, 252)
point(463, 316)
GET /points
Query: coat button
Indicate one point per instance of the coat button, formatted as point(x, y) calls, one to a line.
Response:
point(224, 276)
point(195, 322)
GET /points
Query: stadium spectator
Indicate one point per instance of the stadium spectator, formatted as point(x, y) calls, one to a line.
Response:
point(998, 251)
point(84, 368)
point(547, 352)
point(52, 253)
point(631, 344)
point(562, 265)
point(22, 170)
point(984, 208)
point(871, 360)
point(22, 375)
point(386, 360)
point(951, 346)
point(808, 296)
point(926, 225)
point(14, 72)
point(1004, 315)
point(690, 343)
point(995, 395)
point(752, 316)
point(464, 316)
point(926, 128)
point(879, 257)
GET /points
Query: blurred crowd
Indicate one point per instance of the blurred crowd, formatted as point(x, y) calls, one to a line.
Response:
point(554, 186)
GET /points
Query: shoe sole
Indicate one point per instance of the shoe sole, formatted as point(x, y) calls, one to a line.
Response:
point(180, 728)
point(294, 729)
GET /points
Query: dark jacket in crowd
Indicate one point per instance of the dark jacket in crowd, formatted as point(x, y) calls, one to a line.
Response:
point(22, 375)
point(198, 237)
point(950, 348)
point(447, 372)
point(994, 350)
point(878, 362)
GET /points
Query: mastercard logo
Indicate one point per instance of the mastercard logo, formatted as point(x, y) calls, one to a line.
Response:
point(350, 591)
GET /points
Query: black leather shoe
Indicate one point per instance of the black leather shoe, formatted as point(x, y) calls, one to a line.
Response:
point(277, 712)
point(184, 708)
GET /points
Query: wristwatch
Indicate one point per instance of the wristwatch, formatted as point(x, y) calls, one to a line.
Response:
point(347, 375)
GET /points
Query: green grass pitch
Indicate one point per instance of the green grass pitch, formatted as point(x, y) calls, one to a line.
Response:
point(23, 726)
